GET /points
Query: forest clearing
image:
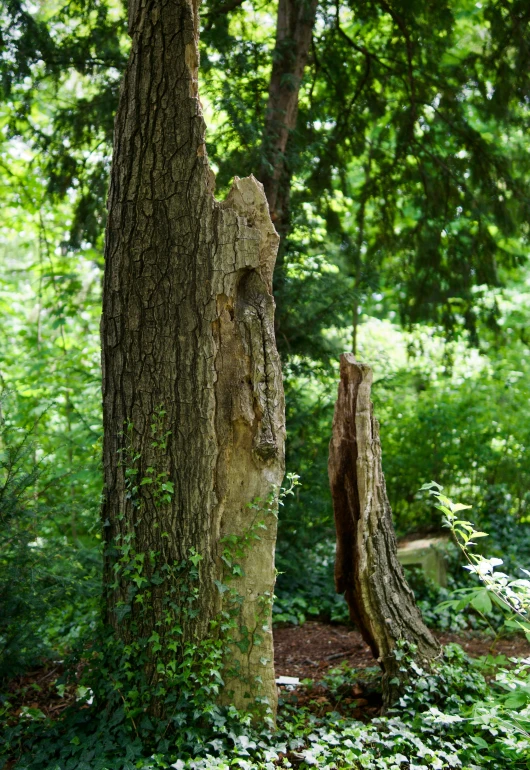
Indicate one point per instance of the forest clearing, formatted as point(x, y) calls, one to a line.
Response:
point(264, 384)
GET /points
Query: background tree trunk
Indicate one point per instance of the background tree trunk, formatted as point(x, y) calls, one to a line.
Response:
point(294, 31)
point(367, 570)
point(192, 391)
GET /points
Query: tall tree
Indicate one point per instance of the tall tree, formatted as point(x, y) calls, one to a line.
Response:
point(294, 33)
point(192, 392)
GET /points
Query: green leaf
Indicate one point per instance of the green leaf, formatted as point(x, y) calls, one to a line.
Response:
point(221, 587)
point(482, 601)
point(430, 485)
point(445, 510)
point(517, 699)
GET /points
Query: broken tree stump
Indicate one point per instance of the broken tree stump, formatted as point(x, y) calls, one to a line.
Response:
point(367, 570)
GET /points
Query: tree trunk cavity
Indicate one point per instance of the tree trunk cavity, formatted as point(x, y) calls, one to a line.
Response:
point(294, 31)
point(367, 570)
point(192, 392)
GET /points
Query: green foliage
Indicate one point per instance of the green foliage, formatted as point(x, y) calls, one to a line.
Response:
point(447, 411)
point(465, 406)
point(306, 589)
point(110, 728)
point(409, 201)
point(512, 596)
point(48, 588)
point(153, 692)
point(446, 718)
point(437, 724)
point(407, 167)
point(24, 583)
point(140, 694)
point(511, 712)
point(430, 599)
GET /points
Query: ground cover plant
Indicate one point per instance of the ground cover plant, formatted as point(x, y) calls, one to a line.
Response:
point(392, 141)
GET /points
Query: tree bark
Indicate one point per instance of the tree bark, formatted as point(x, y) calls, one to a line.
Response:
point(192, 392)
point(294, 30)
point(367, 570)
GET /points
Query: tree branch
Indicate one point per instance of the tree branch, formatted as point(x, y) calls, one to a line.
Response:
point(221, 10)
point(409, 48)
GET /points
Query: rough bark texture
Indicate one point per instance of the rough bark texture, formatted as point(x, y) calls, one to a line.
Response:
point(294, 30)
point(367, 570)
point(192, 389)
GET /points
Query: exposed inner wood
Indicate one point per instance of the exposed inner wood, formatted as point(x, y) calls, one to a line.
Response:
point(367, 570)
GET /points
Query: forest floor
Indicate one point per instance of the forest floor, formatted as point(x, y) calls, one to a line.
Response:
point(313, 650)
point(309, 651)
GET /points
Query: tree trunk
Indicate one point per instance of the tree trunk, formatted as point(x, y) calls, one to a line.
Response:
point(192, 392)
point(367, 570)
point(294, 30)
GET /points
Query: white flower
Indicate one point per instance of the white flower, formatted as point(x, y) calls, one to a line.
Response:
point(484, 566)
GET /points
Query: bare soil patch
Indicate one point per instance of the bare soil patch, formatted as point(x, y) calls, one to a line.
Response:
point(310, 650)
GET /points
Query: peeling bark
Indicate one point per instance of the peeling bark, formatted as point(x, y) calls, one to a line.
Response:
point(187, 334)
point(367, 570)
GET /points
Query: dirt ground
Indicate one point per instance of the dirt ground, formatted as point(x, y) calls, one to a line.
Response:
point(308, 651)
point(312, 650)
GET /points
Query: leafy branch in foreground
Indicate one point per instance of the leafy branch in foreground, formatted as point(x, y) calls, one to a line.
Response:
point(512, 710)
point(511, 595)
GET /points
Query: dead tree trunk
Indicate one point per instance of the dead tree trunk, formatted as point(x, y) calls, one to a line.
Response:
point(192, 389)
point(367, 570)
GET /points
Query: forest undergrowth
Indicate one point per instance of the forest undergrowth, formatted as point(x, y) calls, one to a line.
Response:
point(65, 709)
